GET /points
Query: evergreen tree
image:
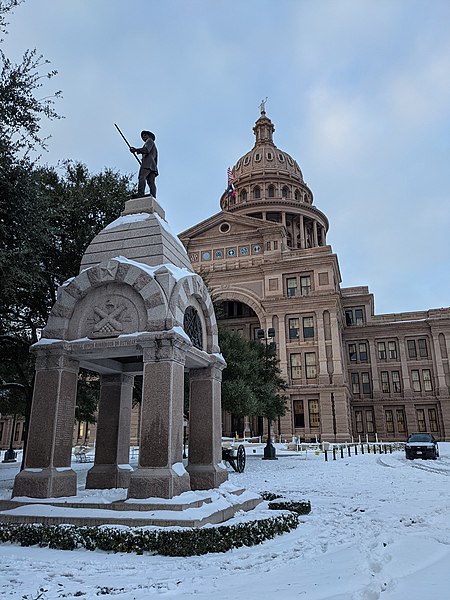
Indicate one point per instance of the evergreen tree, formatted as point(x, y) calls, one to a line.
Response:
point(251, 384)
point(270, 385)
point(238, 379)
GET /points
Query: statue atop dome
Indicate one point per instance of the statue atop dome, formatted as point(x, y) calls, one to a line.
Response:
point(262, 106)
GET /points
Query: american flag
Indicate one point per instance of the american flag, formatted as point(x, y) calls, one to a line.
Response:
point(231, 191)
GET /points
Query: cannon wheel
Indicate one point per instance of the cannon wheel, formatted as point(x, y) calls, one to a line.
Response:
point(240, 459)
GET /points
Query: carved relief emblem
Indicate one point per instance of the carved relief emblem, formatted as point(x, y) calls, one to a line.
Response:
point(109, 318)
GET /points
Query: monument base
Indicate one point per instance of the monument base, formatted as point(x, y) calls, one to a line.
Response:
point(158, 483)
point(191, 509)
point(206, 477)
point(106, 477)
point(46, 483)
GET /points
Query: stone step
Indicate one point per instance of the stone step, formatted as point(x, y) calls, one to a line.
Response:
point(209, 510)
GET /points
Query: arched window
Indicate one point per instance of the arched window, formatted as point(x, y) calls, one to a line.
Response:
point(285, 192)
point(193, 327)
point(256, 192)
point(243, 196)
point(271, 191)
point(297, 195)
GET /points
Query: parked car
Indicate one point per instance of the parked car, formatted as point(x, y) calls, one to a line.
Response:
point(421, 445)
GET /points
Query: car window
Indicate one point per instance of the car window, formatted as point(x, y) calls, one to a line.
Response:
point(420, 437)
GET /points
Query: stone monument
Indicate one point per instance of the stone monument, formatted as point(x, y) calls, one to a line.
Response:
point(135, 308)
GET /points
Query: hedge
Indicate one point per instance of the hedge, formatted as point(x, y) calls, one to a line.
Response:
point(179, 542)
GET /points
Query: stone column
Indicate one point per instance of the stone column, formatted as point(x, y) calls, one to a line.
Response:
point(47, 472)
point(376, 391)
point(112, 449)
point(302, 232)
point(315, 236)
point(405, 371)
point(205, 428)
point(160, 472)
point(323, 376)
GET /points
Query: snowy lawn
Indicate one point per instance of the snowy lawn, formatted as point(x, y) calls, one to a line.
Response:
point(379, 528)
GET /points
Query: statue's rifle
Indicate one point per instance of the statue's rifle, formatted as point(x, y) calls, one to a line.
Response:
point(126, 142)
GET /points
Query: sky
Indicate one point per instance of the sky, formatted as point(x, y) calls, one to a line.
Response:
point(358, 91)
point(378, 530)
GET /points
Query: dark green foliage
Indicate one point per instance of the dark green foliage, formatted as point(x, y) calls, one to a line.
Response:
point(270, 384)
point(300, 508)
point(47, 219)
point(240, 376)
point(251, 383)
point(270, 496)
point(24, 100)
point(180, 542)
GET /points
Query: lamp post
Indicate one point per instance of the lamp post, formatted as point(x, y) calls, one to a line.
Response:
point(10, 454)
point(269, 448)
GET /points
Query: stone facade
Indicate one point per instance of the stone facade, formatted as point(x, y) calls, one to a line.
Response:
point(351, 373)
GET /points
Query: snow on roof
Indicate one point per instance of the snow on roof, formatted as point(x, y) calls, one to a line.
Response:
point(127, 219)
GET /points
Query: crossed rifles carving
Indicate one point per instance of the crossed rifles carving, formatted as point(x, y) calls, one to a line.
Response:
point(109, 320)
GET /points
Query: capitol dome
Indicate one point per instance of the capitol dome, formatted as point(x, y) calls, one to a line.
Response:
point(268, 184)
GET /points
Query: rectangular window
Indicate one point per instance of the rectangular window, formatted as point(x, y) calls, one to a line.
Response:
point(423, 350)
point(385, 382)
point(291, 286)
point(392, 349)
point(299, 414)
point(427, 383)
point(432, 417)
point(400, 420)
point(296, 366)
point(389, 421)
point(354, 316)
point(293, 329)
point(359, 421)
point(369, 421)
point(352, 352)
point(305, 285)
point(412, 351)
point(381, 351)
point(308, 327)
point(365, 380)
point(17, 432)
point(396, 385)
point(355, 383)
point(362, 347)
point(314, 415)
point(310, 365)
point(415, 381)
point(359, 316)
point(421, 425)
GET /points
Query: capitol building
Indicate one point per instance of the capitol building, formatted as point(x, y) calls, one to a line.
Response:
point(351, 373)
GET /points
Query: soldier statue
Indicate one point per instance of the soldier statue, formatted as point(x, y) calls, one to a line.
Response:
point(149, 169)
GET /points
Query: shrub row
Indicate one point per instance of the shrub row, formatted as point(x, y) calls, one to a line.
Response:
point(300, 508)
point(180, 542)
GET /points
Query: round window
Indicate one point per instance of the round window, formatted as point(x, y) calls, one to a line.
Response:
point(224, 227)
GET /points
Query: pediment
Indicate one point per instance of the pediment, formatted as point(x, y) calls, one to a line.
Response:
point(224, 225)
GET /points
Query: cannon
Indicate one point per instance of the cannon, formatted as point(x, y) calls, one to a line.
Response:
point(235, 457)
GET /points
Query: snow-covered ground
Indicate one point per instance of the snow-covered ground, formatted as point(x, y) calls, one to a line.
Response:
point(379, 528)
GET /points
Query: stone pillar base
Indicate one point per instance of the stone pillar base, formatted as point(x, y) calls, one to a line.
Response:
point(105, 477)
point(206, 477)
point(152, 482)
point(45, 483)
